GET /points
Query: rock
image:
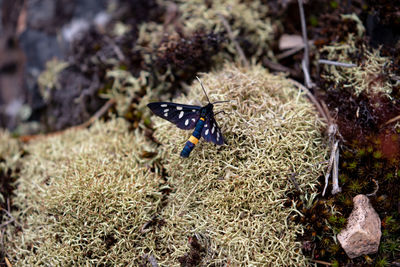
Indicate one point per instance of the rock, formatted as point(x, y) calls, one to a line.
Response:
point(363, 230)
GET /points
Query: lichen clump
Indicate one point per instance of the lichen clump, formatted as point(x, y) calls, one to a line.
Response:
point(231, 201)
point(368, 75)
point(82, 199)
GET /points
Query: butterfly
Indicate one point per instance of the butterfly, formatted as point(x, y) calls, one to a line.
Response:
point(187, 117)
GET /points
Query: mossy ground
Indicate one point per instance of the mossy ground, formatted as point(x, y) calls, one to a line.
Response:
point(163, 45)
point(232, 198)
point(83, 197)
point(99, 196)
point(362, 100)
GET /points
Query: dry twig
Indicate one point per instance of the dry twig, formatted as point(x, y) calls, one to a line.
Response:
point(97, 115)
point(306, 58)
point(375, 190)
point(334, 143)
point(392, 120)
point(336, 63)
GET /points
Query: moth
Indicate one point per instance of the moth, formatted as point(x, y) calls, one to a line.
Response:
point(187, 117)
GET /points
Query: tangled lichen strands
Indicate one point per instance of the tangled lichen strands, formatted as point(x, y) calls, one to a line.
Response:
point(270, 132)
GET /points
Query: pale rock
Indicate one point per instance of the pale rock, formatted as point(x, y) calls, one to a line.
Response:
point(363, 230)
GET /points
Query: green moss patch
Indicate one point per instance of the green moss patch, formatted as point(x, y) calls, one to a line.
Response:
point(370, 76)
point(101, 197)
point(83, 198)
point(232, 200)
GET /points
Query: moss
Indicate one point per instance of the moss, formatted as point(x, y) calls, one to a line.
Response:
point(83, 198)
point(367, 77)
point(249, 21)
point(233, 197)
point(10, 150)
point(10, 157)
point(48, 79)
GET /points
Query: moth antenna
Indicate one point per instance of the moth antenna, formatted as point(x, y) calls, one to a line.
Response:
point(204, 90)
point(224, 101)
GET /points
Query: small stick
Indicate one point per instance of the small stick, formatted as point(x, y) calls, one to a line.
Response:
point(335, 174)
point(8, 263)
point(392, 120)
point(307, 78)
point(237, 46)
point(322, 262)
point(376, 188)
point(289, 52)
point(292, 51)
point(12, 219)
point(312, 98)
point(97, 115)
point(306, 59)
point(330, 165)
point(336, 63)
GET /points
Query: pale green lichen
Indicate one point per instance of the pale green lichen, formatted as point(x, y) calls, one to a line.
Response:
point(10, 155)
point(356, 19)
point(83, 197)
point(48, 79)
point(367, 77)
point(233, 197)
point(88, 197)
point(248, 20)
point(10, 150)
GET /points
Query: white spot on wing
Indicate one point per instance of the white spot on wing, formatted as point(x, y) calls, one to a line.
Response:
point(181, 114)
point(166, 110)
point(193, 110)
point(163, 105)
point(206, 132)
point(206, 125)
point(166, 114)
point(217, 136)
point(179, 108)
point(193, 120)
point(187, 122)
point(213, 129)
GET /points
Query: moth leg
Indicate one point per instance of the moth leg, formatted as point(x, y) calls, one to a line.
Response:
point(221, 111)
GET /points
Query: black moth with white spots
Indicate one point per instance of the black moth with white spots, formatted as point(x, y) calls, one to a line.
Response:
point(186, 116)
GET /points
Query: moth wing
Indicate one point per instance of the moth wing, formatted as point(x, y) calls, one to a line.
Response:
point(183, 116)
point(211, 131)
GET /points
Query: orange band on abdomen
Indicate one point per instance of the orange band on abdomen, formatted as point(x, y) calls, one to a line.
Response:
point(193, 139)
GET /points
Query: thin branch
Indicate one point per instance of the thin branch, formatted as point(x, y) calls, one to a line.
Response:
point(97, 115)
point(322, 262)
point(237, 46)
point(294, 174)
point(330, 165)
point(8, 263)
point(12, 219)
point(292, 51)
point(312, 98)
point(392, 120)
point(376, 188)
point(335, 174)
point(336, 63)
point(306, 58)
point(278, 67)
point(307, 79)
